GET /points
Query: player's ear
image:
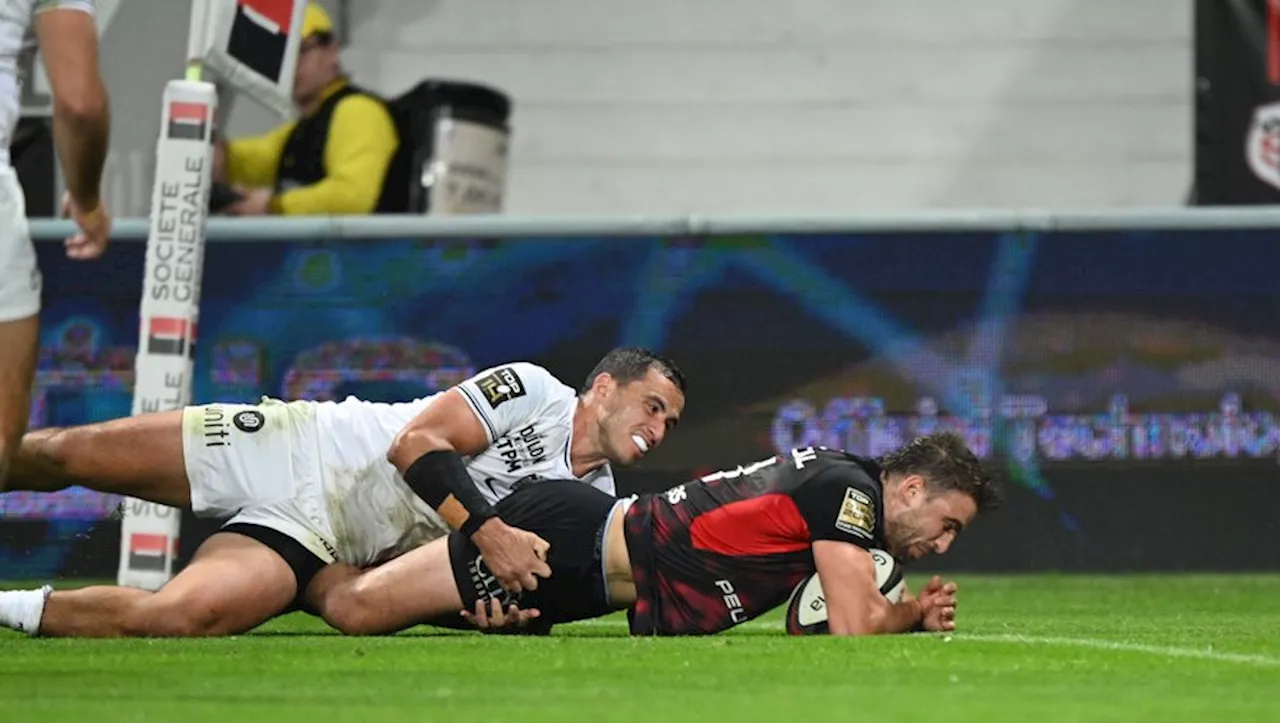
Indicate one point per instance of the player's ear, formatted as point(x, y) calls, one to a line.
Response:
point(604, 384)
point(912, 487)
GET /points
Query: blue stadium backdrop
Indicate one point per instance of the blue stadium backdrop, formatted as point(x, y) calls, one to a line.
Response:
point(1126, 384)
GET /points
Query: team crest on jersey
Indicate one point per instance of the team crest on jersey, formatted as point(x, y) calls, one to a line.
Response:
point(502, 385)
point(857, 514)
point(248, 421)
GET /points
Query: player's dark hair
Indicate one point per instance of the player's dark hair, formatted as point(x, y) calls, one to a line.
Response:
point(629, 363)
point(946, 463)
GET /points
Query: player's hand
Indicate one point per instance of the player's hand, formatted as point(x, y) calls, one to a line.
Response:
point(517, 558)
point(491, 618)
point(94, 229)
point(938, 603)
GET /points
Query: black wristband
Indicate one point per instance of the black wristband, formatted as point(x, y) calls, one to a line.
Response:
point(474, 521)
point(436, 475)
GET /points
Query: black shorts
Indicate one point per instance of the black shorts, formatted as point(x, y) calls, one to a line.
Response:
point(572, 517)
point(304, 563)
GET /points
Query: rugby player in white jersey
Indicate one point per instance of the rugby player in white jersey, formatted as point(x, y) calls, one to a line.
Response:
point(67, 38)
point(307, 485)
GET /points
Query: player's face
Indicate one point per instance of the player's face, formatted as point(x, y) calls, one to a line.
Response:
point(635, 417)
point(924, 522)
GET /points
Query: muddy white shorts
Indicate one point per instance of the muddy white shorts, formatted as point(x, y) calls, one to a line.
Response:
point(320, 484)
point(258, 466)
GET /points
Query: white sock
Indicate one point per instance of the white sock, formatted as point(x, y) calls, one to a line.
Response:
point(21, 610)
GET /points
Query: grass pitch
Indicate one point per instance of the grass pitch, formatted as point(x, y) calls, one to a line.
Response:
point(1030, 648)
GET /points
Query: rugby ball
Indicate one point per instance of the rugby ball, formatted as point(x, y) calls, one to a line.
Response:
point(807, 608)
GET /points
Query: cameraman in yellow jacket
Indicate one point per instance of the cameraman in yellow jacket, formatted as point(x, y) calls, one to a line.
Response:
point(342, 156)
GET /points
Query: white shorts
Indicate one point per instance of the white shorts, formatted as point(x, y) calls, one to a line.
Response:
point(20, 281)
point(259, 465)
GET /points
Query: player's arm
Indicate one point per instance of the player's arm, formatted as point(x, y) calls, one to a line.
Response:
point(462, 422)
point(68, 39)
point(254, 160)
point(428, 453)
point(855, 605)
point(362, 140)
point(841, 506)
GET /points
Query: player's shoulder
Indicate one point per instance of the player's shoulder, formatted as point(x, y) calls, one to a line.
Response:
point(525, 371)
point(847, 467)
point(516, 379)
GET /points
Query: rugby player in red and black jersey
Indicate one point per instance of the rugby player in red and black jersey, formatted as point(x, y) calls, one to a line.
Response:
point(710, 554)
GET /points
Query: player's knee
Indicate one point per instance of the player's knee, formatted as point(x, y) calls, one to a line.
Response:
point(349, 610)
point(353, 621)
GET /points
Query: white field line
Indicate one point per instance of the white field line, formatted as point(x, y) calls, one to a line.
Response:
point(1039, 640)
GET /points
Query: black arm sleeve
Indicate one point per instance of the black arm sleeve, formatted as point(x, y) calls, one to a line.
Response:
point(437, 475)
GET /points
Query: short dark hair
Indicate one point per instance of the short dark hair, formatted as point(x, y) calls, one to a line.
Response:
point(628, 363)
point(946, 463)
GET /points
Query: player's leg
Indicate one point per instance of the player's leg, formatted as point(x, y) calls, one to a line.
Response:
point(435, 582)
point(233, 584)
point(397, 594)
point(241, 463)
point(249, 572)
point(19, 341)
point(139, 456)
point(20, 289)
point(430, 585)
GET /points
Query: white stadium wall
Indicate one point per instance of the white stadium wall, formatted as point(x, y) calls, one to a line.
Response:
point(828, 106)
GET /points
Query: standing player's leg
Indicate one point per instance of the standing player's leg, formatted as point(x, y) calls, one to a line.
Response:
point(20, 288)
point(19, 340)
point(68, 43)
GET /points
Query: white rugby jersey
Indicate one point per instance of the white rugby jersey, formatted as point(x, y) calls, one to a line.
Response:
point(17, 38)
point(527, 415)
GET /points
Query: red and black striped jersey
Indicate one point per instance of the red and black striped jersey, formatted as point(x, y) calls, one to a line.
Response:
point(715, 552)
